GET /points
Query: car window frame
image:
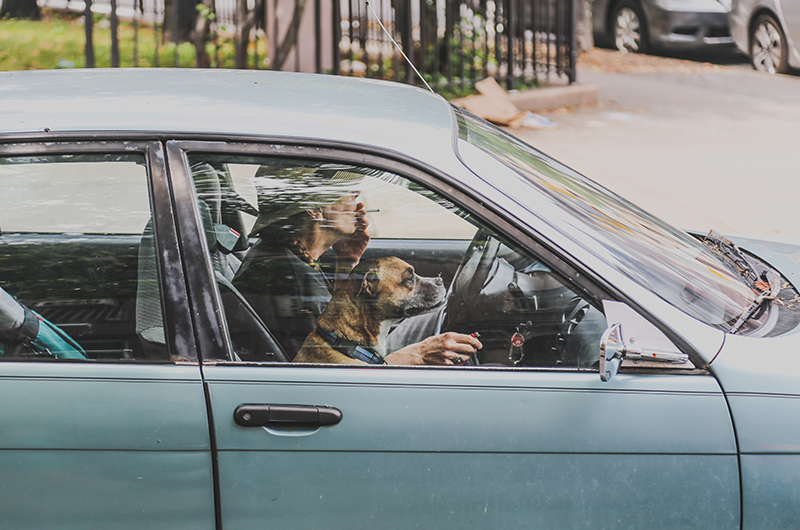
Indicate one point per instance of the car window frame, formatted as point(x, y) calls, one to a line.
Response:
point(212, 336)
point(176, 312)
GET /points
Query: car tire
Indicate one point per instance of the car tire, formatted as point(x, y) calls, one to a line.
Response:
point(768, 49)
point(629, 28)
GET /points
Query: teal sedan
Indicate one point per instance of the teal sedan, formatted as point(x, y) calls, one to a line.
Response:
point(171, 240)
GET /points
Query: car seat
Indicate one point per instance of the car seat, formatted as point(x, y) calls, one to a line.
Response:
point(149, 319)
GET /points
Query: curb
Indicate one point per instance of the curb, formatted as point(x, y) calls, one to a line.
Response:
point(555, 97)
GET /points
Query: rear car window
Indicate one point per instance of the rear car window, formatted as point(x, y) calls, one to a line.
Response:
point(77, 259)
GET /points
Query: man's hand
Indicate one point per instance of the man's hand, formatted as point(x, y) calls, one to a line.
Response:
point(450, 349)
point(350, 248)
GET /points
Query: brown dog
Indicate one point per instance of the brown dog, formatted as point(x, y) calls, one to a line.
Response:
point(378, 294)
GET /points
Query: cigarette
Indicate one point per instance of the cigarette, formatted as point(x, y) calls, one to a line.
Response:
point(372, 210)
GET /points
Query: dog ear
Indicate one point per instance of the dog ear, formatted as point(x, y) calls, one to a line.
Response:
point(369, 284)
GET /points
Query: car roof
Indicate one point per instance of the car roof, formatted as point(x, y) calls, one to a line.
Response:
point(227, 102)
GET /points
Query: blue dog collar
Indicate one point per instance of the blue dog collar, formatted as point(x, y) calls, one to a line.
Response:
point(350, 348)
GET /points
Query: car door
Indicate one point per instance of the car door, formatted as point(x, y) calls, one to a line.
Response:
point(103, 423)
point(529, 438)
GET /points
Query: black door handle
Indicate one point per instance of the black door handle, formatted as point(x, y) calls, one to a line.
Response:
point(259, 415)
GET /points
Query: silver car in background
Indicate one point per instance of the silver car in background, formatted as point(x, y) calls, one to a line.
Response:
point(766, 31)
point(642, 25)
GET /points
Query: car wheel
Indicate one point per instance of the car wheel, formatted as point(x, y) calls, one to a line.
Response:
point(768, 50)
point(630, 33)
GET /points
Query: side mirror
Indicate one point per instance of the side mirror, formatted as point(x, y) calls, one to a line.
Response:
point(612, 350)
point(642, 342)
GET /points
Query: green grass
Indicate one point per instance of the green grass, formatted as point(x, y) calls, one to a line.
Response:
point(60, 38)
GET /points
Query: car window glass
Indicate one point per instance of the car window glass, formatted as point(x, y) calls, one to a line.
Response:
point(78, 275)
point(677, 267)
point(430, 284)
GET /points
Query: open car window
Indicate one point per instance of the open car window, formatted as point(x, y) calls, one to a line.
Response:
point(78, 272)
point(284, 235)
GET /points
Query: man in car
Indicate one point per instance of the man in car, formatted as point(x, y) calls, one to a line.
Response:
point(303, 212)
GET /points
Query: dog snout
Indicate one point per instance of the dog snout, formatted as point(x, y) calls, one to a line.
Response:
point(435, 284)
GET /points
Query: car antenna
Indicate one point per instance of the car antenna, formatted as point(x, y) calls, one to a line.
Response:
point(375, 15)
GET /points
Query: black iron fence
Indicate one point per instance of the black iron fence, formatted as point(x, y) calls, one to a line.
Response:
point(458, 42)
point(453, 43)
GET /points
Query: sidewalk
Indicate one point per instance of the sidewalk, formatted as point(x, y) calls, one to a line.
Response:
point(701, 146)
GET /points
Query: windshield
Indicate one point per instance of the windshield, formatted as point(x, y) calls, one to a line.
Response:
point(669, 262)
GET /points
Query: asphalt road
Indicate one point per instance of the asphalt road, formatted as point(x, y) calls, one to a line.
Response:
point(700, 145)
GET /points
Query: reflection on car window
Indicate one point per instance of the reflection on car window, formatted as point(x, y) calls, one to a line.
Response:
point(674, 265)
point(338, 263)
point(77, 263)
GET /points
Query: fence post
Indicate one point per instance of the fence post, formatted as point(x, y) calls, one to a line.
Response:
point(317, 37)
point(337, 37)
point(572, 71)
point(114, 35)
point(88, 22)
point(176, 7)
point(136, 6)
point(408, 42)
point(509, 28)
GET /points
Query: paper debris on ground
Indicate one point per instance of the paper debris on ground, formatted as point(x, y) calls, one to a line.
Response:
point(495, 105)
point(534, 121)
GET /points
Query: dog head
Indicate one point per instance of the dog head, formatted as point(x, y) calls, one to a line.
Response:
point(395, 290)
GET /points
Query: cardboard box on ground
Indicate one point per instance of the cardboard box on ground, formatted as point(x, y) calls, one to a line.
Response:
point(494, 104)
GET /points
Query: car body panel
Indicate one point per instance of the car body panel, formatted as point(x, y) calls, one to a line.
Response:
point(618, 436)
point(671, 25)
point(410, 489)
point(771, 373)
point(762, 391)
point(787, 13)
point(784, 257)
point(98, 441)
point(197, 101)
point(761, 422)
point(770, 491)
point(88, 489)
point(681, 24)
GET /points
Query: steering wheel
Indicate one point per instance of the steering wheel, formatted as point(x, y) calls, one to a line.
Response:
point(470, 277)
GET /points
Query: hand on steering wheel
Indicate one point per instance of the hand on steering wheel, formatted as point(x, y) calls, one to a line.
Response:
point(449, 349)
